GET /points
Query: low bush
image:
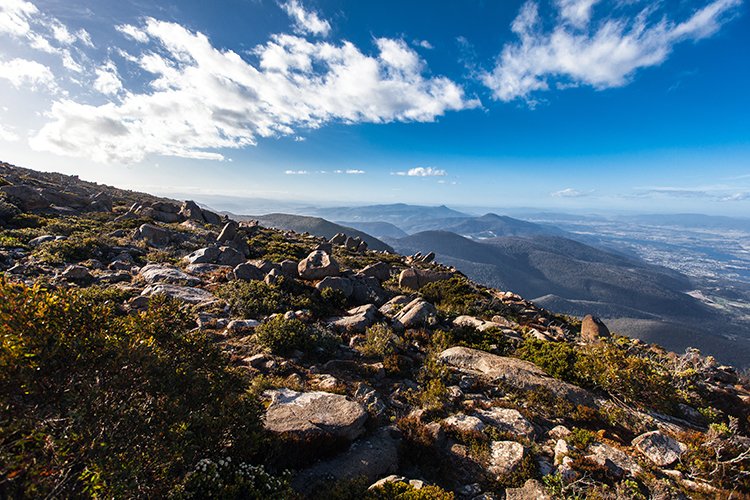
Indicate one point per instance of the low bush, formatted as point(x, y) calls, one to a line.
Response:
point(254, 299)
point(558, 359)
point(281, 335)
point(456, 296)
point(379, 341)
point(397, 490)
point(93, 403)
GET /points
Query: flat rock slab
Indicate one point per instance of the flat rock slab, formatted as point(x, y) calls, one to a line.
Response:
point(370, 458)
point(505, 457)
point(531, 490)
point(515, 372)
point(661, 449)
point(507, 420)
point(158, 273)
point(617, 461)
point(186, 294)
point(310, 416)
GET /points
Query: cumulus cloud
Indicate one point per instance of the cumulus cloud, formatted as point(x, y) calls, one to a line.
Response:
point(422, 172)
point(581, 50)
point(26, 73)
point(107, 79)
point(199, 98)
point(570, 193)
point(305, 21)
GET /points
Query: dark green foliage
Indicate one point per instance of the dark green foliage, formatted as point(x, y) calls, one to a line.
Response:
point(228, 480)
point(272, 245)
point(556, 358)
point(282, 336)
point(455, 296)
point(97, 404)
point(254, 299)
point(491, 340)
point(402, 491)
point(76, 248)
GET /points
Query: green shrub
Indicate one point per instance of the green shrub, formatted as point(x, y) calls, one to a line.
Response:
point(253, 299)
point(75, 248)
point(97, 404)
point(580, 438)
point(558, 359)
point(492, 339)
point(402, 491)
point(228, 480)
point(456, 296)
point(282, 335)
point(379, 341)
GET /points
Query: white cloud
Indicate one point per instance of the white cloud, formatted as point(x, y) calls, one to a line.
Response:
point(296, 172)
point(354, 171)
point(132, 32)
point(26, 73)
point(7, 134)
point(423, 172)
point(305, 21)
point(602, 54)
point(570, 193)
point(14, 17)
point(107, 79)
point(199, 99)
point(425, 44)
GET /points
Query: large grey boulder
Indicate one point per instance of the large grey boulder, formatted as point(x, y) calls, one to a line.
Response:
point(25, 197)
point(393, 306)
point(358, 319)
point(317, 266)
point(414, 279)
point(505, 457)
point(248, 272)
point(185, 294)
point(507, 420)
point(464, 423)
point(616, 461)
point(515, 372)
point(154, 236)
point(380, 270)
point(661, 449)
point(310, 416)
point(192, 211)
point(338, 239)
point(415, 314)
point(41, 239)
point(369, 458)
point(207, 255)
point(228, 256)
point(159, 273)
point(343, 285)
point(228, 232)
point(592, 328)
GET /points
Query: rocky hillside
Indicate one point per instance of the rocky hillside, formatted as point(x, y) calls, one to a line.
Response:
point(151, 348)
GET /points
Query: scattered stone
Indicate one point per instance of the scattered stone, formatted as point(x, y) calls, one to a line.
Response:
point(308, 416)
point(505, 457)
point(289, 269)
point(558, 432)
point(41, 239)
point(616, 461)
point(521, 374)
point(247, 272)
point(531, 490)
point(186, 294)
point(325, 247)
point(343, 285)
point(507, 420)
point(352, 243)
point(76, 273)
point(416, 313)
point(464, 423)
point(428, 258)
point(592, 329)
point(153, 235)
point(661, 449)
point(158, 273)
point(228, 232)
point(358, 319)
point(394, 305)
point(25, 197)
point(317, 265)
point(242, 325)
point(414, 279)
point(338, 239)
point(201, 269)
point(230, 257)
point(272, 277)
point(380, 270)
point(207, 255)
point(562, 450)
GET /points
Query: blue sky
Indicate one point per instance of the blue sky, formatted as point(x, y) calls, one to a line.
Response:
point(567, 104)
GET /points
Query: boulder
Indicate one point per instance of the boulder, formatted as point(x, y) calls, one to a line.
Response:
point(520, 374)
point(464, 423)
point(394, 305)
point(338, 239)
point(154, 236)
point(186, 294)
point(476, 323)
point(101, 202)
point(366, 289)
point(41, 239)
point(228, 256)
point(507, 420)
point(247, 272)
point(414, 279)
point(325, 247)
point(191, 210)
point(352, 243)
point(289, 269)
point(531, 490)
point(369, 458)
point(505, 457)
point(228, 232)
point(207, 255)
point(362, 247)
point(415, 314)
point(358, 319)
point(343, 285)
point(428, 258)
point(211, 218)
point(241, 325)
point(76, 273)
point(592, 328)
point(661, 449)
point(25, 197)
point(616, 461)
point(317, 265)
point(205, 268)
point(380, 271)
point(311, 416)
point(159, 273)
